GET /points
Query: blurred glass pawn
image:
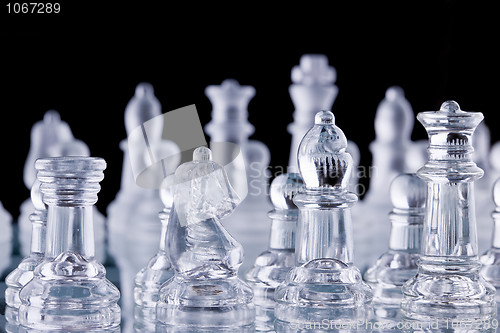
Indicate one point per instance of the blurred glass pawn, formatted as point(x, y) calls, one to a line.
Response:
point(491, 259)
point(271, 266)
point(158, 271)
point(399, 263)
point(5, 238)
point(20, 276)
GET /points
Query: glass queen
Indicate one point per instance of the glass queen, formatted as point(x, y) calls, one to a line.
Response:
point(448, 283)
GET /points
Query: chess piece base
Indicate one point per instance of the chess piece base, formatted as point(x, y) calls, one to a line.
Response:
point(450, 289)
point(323, 288)
point(206, 303)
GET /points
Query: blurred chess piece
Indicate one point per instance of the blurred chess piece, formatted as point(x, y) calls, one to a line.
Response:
point(157, 271)
point(134, 230)
point(393, 126)
point(52, 137)
point(229, 125)
point(5, 238)
point(399, 263)
point(23, 273)
point(6, 243)
point(314, 89)
point(481, 141)
point(491, 259)
point(416, 155)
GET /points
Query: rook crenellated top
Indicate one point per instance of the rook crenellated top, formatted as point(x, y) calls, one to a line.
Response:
point(70, 181)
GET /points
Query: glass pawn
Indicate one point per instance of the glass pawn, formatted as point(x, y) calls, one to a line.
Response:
point(399, 263)
point(484, 186)
point(205, 295)
point(490, 261)
point(69, 290)
point(20, 276)
point(271, 266)
point(229, 124)
point(157, 271)
point(325, 283)
point(448, 284)
point(5, 238)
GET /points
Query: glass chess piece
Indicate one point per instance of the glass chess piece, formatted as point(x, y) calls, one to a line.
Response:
point(484, 186)
point(494, 159)
point(393, 126)
point(490, 260)
point(416, 155)
point(69, 290)
point(52, 137)
point(325, 283)
point(205, 294)
point(271, 266)
point(44, 133)
point(5, 238)
point(157, 271)
point(23, 273)
point(5, 261)
point(133, 227)
point(399, 263)
point(314, 89)
point(77, 147)
point(448, 285)
point(229, 124)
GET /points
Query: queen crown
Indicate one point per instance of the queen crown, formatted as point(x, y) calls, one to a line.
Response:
point(322, 159)
point(450, 149)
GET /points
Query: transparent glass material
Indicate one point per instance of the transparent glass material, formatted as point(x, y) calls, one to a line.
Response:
point(23, 273)
point(52, 137)
point(325, 284)
point(399, 263)
point(205, 292)
point(69, 290)
point(271, 266)
point(490, 261)
point(133, 227)
point(229, 124)
point(393, 124)
point(157, 271)
point(448, 283)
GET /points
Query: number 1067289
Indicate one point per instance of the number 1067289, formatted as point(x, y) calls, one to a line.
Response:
point(33, 8)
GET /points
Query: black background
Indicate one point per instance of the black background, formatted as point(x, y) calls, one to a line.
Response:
point(86, 61)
